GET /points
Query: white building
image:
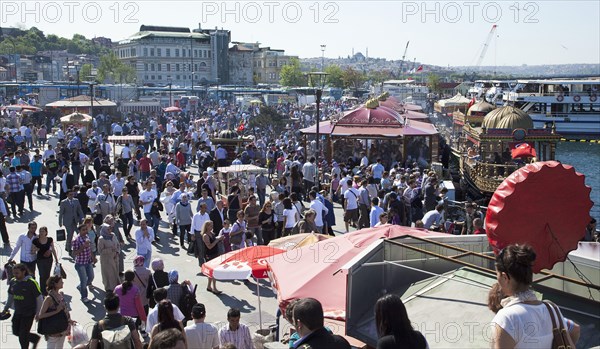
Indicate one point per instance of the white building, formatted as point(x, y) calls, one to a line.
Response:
point(163, 55)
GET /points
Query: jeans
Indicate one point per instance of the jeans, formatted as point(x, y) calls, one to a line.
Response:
point(149, 219)
point(147, 258)
point(50, 180)
point(86, 276)
point(38, 180)
point(127, 219)
point(261, 195)
point(76, 172)
point(45, 268)
point(183, 231)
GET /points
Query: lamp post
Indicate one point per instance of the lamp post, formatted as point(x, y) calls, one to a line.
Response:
point(170, 91)
point(323, 57)
point(77, 67)
point(92, 84)
point(320, 81)
point(192, 60)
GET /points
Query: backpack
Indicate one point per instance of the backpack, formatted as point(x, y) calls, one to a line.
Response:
point(116, 338)
point(187, 301)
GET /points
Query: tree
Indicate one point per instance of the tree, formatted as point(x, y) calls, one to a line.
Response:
point(85, 72)
point(112, 69)
point(268, 117)
point(291, 74)
point(334, 77)
point(353, 78)
point(433, 82)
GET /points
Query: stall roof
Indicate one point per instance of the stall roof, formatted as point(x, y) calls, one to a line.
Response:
point(325, 127)
point(241, 168)
point(81, 101)
point(370, 131)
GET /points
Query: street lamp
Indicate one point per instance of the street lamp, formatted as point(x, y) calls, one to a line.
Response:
point(77, 67)
point(92, 84)
point(319, 78)
point(170, 91)
point(192, 60)
point(323, 57)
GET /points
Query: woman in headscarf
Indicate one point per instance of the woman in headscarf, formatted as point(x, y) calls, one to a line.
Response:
point(159, 279)
point(109, 249)
point(142, 278)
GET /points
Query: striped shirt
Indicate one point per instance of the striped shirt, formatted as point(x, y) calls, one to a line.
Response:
point(240, 338)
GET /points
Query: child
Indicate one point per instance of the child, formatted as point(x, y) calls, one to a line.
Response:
point(225, 246)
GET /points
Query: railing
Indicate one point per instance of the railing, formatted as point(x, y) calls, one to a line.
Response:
point(487, 176)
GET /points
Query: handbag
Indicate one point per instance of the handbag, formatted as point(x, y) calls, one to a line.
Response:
point(54, 324)
point(61, 235)
point(561, 337)
point(98, 219)
point(60, 271)
point(236, 239)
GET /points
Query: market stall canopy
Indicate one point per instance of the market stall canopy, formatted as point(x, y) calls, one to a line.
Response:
point(241, 264)
point(81, 101)
point(20, 108)
point(76, 118)
point(171, 109)
point(457, 100)
point(242, 168)
point(414, 115)
point(325, 127)
point(371, 114)
point(303, 275)
point(419, 128)
point(544, 204)
point(127, 139)
point(413, 107)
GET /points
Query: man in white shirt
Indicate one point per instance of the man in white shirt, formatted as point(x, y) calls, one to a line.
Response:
point(351, 207)
point(25, 244)
point(92, 194)
point(147, 197)
point(319, 208)
point(48, 152)
point(376, 211)
point(200, 334)
point(159, 295)
point(235, 332)
point(117, 184)
point(197, 222)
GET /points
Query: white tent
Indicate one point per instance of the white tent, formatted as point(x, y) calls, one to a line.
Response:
point(457, 100)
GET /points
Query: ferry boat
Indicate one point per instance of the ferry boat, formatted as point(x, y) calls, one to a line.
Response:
point(482, 141)
point(407, 91)
point(492, 90)
point(571, 105)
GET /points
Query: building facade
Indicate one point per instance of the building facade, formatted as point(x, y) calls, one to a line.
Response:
point(267, 64)
point(241, 58)
point(168, 55)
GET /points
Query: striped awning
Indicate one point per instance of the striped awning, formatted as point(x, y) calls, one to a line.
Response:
point(125, 139)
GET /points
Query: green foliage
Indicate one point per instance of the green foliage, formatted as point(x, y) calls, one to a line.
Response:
point(433, 82)
point(85, 72)
point(335, 76)
point(267, 116)
point(111, 69)
point(33, 40)
point(353, 78)
point(291, 74)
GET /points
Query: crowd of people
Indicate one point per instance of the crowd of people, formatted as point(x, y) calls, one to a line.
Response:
point(109, 199)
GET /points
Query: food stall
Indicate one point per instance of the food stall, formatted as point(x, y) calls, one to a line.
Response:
point(240, 175)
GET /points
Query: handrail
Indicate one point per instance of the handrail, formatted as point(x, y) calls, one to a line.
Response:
point(481, 255)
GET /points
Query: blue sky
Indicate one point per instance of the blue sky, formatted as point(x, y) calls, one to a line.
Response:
point(440, 32)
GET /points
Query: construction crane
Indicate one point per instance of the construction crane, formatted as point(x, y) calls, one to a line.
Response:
point(404, 56)
point(486, 45)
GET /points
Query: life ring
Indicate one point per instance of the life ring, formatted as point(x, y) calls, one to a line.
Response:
point(560, 98)
point(576, 98)
point(593, 98)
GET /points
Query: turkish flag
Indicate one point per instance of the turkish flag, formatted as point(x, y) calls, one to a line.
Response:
point(420, 68)
point(523, 150)
point(241, 127)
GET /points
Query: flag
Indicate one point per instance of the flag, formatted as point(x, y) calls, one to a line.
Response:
point(242, 127)
point(471, 103)
point(420, 68)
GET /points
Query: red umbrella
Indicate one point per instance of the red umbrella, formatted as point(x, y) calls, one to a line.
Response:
point(544, 204)
point(241, 264)
point(171, 109)
point(523, 150)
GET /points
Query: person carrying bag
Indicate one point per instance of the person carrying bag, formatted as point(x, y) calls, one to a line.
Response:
point(53, 319)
